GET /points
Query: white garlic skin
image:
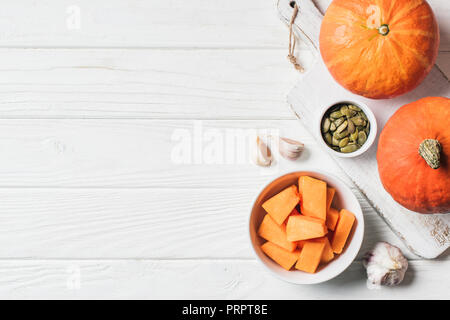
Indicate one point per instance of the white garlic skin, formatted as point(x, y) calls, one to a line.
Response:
point(385, 265)
point(261, 154)
point(290, 149)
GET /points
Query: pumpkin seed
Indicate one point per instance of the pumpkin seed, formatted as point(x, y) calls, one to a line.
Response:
point(336, 108)
point(342, 127)
point(332, 127)
point(344, 110)
point(358, 121)
point(343, 142)
point(349, 148)
point(354, 108)
point(335, 115)
point(345, 128)
point(339, 121)
point(351, 126)
point(362, 115)
point(351, 113)
point(328, 138)
point(362, 137)
point(335, 141)
point(354, 135)
point(340, 135)
point(367, 129)
point(326, 125)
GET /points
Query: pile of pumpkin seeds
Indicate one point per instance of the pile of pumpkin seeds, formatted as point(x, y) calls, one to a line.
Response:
point(345, 128)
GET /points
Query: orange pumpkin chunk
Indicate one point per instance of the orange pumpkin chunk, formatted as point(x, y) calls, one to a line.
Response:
point(276, 234)
point(303, 228)
point(310, 255)
point(294, 212)
point(332, 218)
point(330, 196)
point(281, 256)
point(301, 243)
point(281, 205)
point(327, 254)
point(314, 197)
point(343, 228)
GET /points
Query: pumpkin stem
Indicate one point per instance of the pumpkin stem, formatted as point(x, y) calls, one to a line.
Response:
point(430, 151)
point(383, 29)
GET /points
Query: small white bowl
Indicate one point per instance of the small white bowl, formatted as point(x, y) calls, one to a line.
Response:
point(370, 138)
point(344, 198)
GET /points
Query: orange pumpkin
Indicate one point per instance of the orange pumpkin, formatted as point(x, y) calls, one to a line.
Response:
point(379, 48)
point(414, 155)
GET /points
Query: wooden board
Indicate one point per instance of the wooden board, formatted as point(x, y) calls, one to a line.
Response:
point(426, 235)
point(200, 279)
point(87, 117)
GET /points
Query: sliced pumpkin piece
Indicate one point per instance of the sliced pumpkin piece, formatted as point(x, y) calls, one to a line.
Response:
point(301, 243)
point(281, 205)
point(332, 218)
point(294, 212)
point(301, 227)
point(274, 233)
point(343, 228)
point(330, 195)
point(311, 255)
point(314, 197)
point(281, 256)
point(327, 254)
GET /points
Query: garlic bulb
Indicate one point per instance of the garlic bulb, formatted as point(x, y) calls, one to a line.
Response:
point(289, 148)
point(385, 265)
point(262, 156)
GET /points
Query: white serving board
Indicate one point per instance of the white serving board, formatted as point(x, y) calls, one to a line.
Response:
point(426, 235)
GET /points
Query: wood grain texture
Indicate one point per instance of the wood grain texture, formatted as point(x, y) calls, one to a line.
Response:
point(136, 23)
point(138, 153)
point(139, 84)
point(443, 61)
point(154, 223)
point(193, 279)
point(86, 133)
point(155, 24)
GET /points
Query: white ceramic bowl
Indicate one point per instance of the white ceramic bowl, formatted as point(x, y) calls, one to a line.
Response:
point(370, 138)
point(344, 198)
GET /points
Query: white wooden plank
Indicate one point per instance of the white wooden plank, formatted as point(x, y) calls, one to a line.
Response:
point(97, 83)
point(190, 279)
point(136, 23)
point(142, 153)
point(138, 223)
point(443, 61)
point(153, 23)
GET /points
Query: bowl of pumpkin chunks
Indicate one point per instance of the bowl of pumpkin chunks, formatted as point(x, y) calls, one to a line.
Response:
point(306, 227)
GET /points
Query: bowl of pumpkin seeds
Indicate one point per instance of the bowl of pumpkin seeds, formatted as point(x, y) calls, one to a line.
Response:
point(347, 129)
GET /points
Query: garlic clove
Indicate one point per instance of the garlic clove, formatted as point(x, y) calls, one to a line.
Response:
point(385, 265)
point(262, 156)
point(290, 149)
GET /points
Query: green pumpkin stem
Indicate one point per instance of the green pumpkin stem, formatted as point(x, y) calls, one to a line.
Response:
point(430, 151)
point(383, 30)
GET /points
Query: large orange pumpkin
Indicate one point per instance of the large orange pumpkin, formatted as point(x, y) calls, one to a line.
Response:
point(414, 155)
point(379, 48)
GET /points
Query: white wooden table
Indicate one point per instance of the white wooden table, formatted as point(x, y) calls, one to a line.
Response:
point(92, 97)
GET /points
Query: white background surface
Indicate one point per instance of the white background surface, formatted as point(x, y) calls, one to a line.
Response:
point(88, 188)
